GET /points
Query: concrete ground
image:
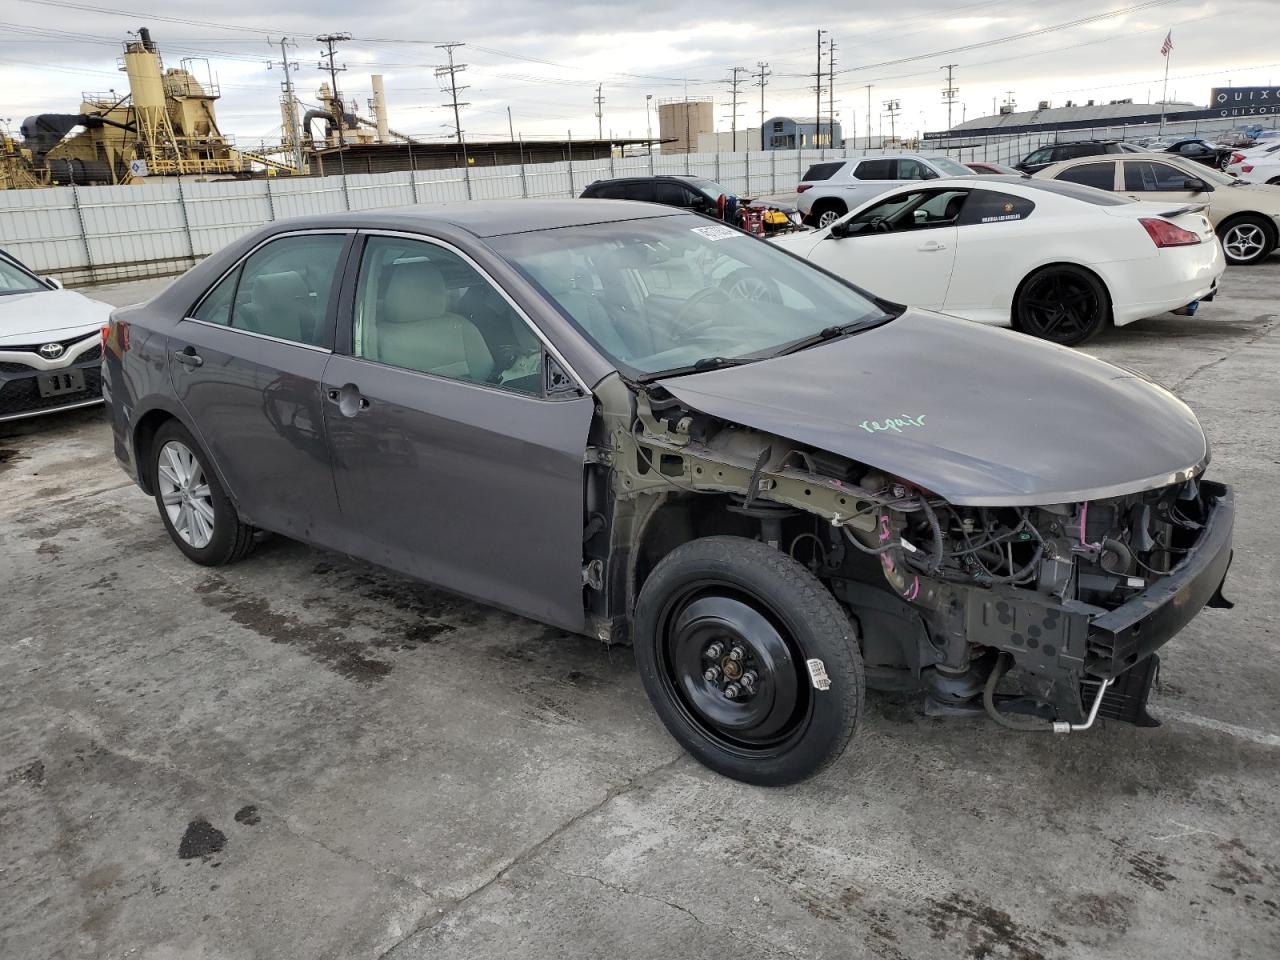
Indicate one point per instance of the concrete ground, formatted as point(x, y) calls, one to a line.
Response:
point(304, 756)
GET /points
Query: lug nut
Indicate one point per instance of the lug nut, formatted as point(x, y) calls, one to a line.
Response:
point(712, 674)
point(737, 653)
point(732, 691)
point(749, 680)
point(713, 652)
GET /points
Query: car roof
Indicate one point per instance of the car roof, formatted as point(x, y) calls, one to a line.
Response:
point(495, 218)
point(1113, 157)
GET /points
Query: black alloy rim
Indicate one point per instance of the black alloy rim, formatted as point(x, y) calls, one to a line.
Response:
point(1059, 306)
point(732, 670)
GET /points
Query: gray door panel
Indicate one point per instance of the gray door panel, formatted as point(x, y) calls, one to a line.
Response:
point(475, 489)
point(256, 404)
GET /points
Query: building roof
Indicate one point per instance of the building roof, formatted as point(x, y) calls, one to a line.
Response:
point(1054, 116)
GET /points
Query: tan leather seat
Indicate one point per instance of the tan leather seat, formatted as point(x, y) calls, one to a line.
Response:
point(282, 307)
point(414, 328)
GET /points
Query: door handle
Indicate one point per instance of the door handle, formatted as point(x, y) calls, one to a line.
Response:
point(348, 399)
point(188, 357)
point(933, 246)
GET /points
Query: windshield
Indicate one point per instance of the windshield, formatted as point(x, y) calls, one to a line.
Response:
point(14, 279)
point(1209, 174)
point(665, 293)
point(950, 167)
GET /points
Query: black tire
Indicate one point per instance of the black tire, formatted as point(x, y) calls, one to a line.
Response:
point(230, 539)
point(1063, 304)
point(1247, 239)
point(827, 210)
point(737, 592)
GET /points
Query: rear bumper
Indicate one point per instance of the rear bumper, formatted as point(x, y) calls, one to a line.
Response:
point(1150, 288)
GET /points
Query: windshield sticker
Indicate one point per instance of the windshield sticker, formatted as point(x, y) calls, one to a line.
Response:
point(893, 423)
point(717, 232)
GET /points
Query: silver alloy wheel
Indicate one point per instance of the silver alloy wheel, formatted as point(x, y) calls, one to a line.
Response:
point(828, 217)
point(751, 288)
point(1244, 241)
point(185, 493)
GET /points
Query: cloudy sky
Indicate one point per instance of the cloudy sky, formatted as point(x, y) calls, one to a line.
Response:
point(543, 59)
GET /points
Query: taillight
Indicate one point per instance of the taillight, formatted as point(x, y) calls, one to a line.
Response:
point(1236, 157)
point(1247, 168)
point(1166, 234)
point(802, 187)
point(106, 333)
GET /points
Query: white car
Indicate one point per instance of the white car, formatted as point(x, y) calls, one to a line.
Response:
point(831, 188)
point(1054, 260)
point(1257, 164)
point(50, 344)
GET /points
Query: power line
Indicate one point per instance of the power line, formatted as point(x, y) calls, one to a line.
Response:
point(733, 119)
point(329, 40)
point(817, 93)
point(451, 71)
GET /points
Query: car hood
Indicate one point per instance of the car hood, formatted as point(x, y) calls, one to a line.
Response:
point(43, 315)
point(975, 414)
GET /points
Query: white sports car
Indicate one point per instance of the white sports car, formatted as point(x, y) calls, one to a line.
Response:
point(1054, 260)
point(50, 344)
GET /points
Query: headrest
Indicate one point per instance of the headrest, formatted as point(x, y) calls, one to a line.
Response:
point(279, 288)
point(953, 207)
point(415, 291)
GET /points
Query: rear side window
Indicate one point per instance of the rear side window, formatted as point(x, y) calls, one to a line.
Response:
point(216, 306)
point(914, 170)
point(1100, 175)
point(877, 170)
point(822, 171)
point(989, 206)
point(609, 191)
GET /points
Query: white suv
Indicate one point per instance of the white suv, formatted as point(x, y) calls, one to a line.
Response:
point(832, 188)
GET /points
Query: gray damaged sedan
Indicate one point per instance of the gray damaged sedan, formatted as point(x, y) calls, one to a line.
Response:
point(780, 493)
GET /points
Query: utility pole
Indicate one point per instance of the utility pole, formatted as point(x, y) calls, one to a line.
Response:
point(599, 111)
point(892, 107)
point(291, 101)
point(869, 86)
point(733, 119)
point(648, 122)
point(329, 39)
point(449, 74)
point(511, 130)
point(817, 92)
point(831, 91)
point(949, 94)
point(764, 78)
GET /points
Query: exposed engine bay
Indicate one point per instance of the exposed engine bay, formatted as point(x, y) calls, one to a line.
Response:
point(1043, 616)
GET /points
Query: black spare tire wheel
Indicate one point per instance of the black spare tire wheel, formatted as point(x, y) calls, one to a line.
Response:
point(751, 663)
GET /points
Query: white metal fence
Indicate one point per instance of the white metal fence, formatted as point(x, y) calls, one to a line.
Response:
point(103, 234)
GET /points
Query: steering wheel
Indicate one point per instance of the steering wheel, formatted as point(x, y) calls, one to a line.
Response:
point(698, 299)
point(881, 225)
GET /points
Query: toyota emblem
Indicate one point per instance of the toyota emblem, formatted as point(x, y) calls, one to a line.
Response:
point(51, 351)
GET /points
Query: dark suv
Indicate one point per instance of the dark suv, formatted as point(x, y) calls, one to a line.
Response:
point(697, 194)
point(1038, 159)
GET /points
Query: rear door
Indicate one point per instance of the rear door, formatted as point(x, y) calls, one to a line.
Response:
point(246, 366)
point(901, 248)
point(454, 461)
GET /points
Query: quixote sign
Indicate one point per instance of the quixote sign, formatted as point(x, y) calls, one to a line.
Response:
point(1245, 101)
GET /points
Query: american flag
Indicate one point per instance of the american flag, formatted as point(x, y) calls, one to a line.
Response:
point(1167, 45)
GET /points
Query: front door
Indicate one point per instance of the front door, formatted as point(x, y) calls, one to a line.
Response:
point(901, 248)
point(247, 367)
point(451, 461)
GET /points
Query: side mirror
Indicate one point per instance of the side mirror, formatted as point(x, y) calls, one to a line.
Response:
point(841, 229)
point(1195, 185)
point(921, 216)
point(53, 282)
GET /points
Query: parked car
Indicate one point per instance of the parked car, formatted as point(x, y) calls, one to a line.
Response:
point(832, 188)
point(697, 194)
point(548, 406)
point(989, 169)
point(50, 344)
point(1201, 151)
point(1052, 259)
point(1056, 152)
point(1246, 216)
point(1259, 164)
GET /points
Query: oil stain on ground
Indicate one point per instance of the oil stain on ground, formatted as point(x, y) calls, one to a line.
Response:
point(986, 931)
point(202, 839)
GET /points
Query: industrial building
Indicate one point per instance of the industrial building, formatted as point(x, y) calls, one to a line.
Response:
point(681, 122)
point(436, 155)
point(802, 133)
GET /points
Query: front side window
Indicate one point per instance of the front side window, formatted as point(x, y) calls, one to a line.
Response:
point(1146, 176)
point(914, 210)
point(1099, 175)
point(1039, 156)
point(1193, 149)
point(423, 307)
point(664, 293)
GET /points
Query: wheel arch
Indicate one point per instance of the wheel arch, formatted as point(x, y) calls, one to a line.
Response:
point(143, 436)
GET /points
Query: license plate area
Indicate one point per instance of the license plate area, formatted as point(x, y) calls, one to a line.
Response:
point(61, 383)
